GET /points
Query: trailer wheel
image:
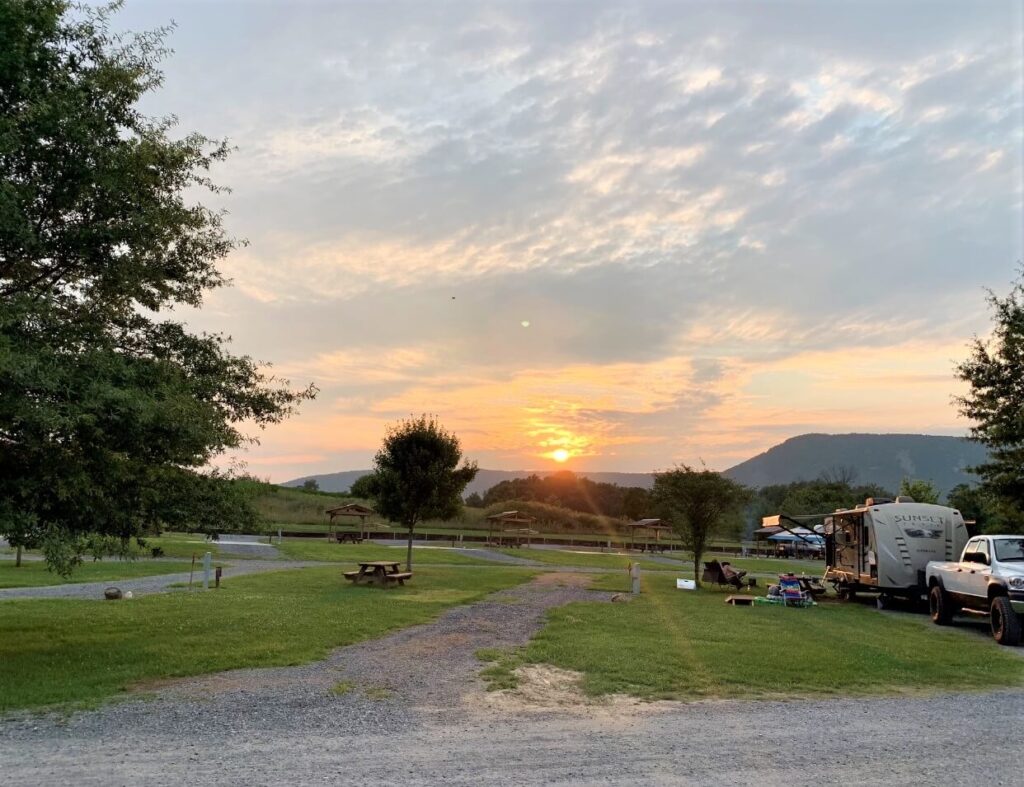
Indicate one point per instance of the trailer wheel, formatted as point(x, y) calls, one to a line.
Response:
point(846, 593)
point(939, 606)
point(1005, 623)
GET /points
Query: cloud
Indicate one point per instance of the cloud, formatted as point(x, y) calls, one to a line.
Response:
point(698, 208)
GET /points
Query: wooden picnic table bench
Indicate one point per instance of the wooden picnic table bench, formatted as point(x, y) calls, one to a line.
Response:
point(354, 538)
point(382, 573)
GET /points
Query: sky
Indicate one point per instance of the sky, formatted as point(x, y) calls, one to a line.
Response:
point(627, 234)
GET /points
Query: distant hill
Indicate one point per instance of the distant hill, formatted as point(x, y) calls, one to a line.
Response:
point(882, 459)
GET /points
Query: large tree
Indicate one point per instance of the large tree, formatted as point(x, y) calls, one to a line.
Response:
point(417, 475)
point(109, 409)
point(995, 403)
point(697, 503)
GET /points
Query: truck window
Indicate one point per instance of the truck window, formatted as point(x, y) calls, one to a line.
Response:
point(983, 549)
point(970, 549)
point(1009, 548)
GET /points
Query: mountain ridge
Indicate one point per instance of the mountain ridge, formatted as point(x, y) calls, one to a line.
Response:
point(882, 459)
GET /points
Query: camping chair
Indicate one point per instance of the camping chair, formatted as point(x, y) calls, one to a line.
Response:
point(792, 594)
point(716, 573)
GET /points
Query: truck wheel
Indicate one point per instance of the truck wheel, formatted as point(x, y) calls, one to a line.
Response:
point(1005, 623)
point(939, 608)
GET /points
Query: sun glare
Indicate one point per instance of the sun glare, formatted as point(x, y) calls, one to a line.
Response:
point(560, 455)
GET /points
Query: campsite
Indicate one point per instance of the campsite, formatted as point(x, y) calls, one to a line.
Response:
point(485, 392)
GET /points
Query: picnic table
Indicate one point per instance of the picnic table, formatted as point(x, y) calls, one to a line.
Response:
point(382, 573)
point(342, 537)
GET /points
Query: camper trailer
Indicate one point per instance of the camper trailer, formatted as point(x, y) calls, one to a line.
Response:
point(884, 546)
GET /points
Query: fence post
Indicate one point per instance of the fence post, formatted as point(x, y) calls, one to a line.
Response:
point(206, 570)
point(634, 575)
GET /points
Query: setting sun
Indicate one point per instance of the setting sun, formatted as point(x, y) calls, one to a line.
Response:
point(560, 455)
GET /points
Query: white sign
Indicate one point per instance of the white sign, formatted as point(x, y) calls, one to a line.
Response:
point(686, 584)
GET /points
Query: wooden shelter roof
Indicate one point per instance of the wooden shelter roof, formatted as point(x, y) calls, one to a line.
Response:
point(350, 509)
point(511, 517)
point(650, 524)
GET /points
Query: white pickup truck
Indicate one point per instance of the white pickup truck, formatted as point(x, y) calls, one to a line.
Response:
point(987, 580)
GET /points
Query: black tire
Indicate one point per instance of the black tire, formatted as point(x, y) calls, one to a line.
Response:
point(846, 593)
point(1005, 623)
point(939, 606)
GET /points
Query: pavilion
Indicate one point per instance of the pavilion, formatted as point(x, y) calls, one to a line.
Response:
point(349, 509)
point(506, 518)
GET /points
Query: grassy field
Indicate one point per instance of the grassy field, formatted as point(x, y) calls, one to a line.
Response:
point(685, 645)
point(305, 549)
point(561, 557)
point(34, 574)
point(81, 652)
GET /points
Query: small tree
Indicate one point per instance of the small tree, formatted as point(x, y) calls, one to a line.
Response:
point(995, 404)
point(417, 474)
point(474, 500)
point(310, 485)
point(974, 504)
point(922, 491)
point(363, 487)
point(697, 503)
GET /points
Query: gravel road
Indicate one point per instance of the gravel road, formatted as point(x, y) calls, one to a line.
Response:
point(414, 713)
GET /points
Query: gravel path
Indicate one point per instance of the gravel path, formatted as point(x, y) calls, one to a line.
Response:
point(286, 726)
point(247, 546)
point(142, 586)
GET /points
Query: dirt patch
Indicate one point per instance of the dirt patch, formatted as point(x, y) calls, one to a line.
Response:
point(564, 580)
point(543, 688)
point(431, 645)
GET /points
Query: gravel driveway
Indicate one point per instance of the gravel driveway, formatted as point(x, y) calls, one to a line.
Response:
point(415, 714)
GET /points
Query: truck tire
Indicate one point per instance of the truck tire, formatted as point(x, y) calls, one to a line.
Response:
point(1005, 623)
point(939, 606)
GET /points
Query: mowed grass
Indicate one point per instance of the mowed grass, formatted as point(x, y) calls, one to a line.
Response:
point(62, 651)
point(563, 557)
point(34, 573)
point(675, 644)
point(314, 549)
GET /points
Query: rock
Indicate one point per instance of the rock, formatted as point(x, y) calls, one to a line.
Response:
point(112, 594)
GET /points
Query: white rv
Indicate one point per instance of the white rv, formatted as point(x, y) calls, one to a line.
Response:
point(884, 546)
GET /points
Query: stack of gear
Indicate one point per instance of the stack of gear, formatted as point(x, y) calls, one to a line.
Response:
point(788, 592)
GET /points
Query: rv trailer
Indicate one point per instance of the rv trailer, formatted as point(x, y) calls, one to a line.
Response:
point(884, 546)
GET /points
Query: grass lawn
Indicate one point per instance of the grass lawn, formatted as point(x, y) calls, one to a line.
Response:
point(81, 652)
point(686, 645)
point(313, 549)
point(561, 557)
point(33, 573)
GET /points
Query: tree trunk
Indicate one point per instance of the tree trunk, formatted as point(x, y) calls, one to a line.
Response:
point(696, 567)
point(17, 556)
point(408, 554)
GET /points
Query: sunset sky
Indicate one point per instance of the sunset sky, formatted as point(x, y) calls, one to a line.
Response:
point(638, 233)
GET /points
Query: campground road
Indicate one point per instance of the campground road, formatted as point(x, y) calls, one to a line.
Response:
point(949, 740)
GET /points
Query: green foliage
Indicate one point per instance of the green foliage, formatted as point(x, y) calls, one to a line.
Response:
point(474, 500)
point(364, 487)
point(310, 485)
point(995, 404)
point(108, 413)
point(975, 504)
point(552, 518)
point(920, 490)
point(697, 503)
point(417, 474)
point(567, 490)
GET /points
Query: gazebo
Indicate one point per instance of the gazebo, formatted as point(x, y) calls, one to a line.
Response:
point(513, 518)
point(656, 526)
point(350, 509)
